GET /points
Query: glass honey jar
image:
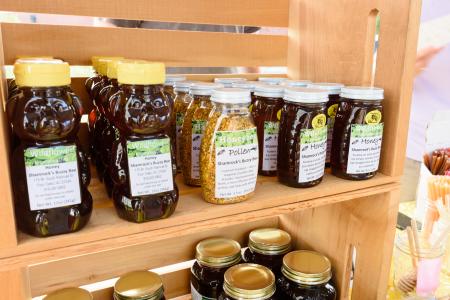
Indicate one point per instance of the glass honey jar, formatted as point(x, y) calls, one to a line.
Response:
point(139, 285)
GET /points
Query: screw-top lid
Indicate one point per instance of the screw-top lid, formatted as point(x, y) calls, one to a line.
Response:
point(102, 64)
point(183, 86)
point(140, 72)
point(296, 83)
point(218, 252)
point(272, 80)
point(269, 91)
point(95, 59)
point(231, 96)
point(204, 88)
point(112, 68)
point(249, 281)
point(247, 85)
point(362, 93)
point(139, 285)
point(228, 82)
point(331, 88)
point(305, 95)
point(41, 73)
point(269, 241)
point(69, 293)
point(172, 79)
point(306, 267)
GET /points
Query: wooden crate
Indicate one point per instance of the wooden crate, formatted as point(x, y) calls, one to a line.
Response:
point(328, 41)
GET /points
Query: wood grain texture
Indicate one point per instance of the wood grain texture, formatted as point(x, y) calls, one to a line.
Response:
point(338, 49)
point(15, 284)
point(76, 45)
point(230, 12)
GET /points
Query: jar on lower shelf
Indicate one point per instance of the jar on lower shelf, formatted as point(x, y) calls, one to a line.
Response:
point(139, 285)
point(248, 281)
point(69, 293)
point(306, 276)
point(213, 257)
point(267, 247)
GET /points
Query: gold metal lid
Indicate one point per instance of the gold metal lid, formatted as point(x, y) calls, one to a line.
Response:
point(306, 267)
point(138, 285)
point(218, 252)
point(69, 293)
point(249, 281)
point(269, 241)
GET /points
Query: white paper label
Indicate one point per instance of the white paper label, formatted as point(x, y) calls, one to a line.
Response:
point(313, 150)
point(52, 177)
point(365, 148)
point(236, 162)
point(179, 126)
point(150, 166)
point(196, 295)
point(270, 146)
point(198, 128)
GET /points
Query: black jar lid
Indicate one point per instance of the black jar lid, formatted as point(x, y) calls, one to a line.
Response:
point(269, 241)
point(306, 267)
point(218, 252)
point(249, 281)
point(139, 285)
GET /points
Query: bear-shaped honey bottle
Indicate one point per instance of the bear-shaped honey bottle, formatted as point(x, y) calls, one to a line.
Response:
point(50, 172)
point(143, 165)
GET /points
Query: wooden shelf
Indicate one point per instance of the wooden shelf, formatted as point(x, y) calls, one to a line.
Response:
point(106, 228)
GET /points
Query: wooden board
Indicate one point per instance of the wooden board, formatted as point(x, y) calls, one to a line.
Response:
point(230, 12)
point(76, 45)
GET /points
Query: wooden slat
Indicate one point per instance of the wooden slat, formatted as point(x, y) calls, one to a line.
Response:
point(337, 49)
point(76, 44)
point(15, 284)
point(229, 12)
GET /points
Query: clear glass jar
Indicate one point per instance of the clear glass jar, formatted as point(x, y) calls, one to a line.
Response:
point(181, 104)
point(358, 133)
point(71, 293)
point(302, 138)
point(307, 276)
point(266, 114)
point(248, 281)
point(267, 247)
point(139, 285)
point(194, 125)
point(213, 257)
point(334, 91)
point(247, 85)
point(229, 150)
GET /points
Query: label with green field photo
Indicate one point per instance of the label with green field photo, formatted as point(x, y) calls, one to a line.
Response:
point(52, 177)
point(150, 166)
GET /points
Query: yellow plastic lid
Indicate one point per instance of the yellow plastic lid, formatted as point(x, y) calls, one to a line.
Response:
point(33, 57)
point(102, 64)
point(140, 72)
point(95, 59)
point(41, 73)
point(111, 71)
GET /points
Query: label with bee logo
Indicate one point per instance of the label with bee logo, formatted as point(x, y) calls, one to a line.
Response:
point(313, 150)
point(365, 148)
point(236, 162)
point(270, 146)
point(198, 128)
point(150, 166)
point(52, 177)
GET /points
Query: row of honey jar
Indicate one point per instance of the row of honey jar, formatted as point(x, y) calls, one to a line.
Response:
point(267, 270)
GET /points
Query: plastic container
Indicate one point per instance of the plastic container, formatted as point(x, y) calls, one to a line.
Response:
point(229, 150)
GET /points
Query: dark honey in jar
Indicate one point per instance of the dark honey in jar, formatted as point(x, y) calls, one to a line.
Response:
point(139, 285)
point(334, 91)
point(267, 246)
point(266, 114)
point(169, 91)
point(358, 133)
point(213, 257)
point(306, 276)
point(49, 170)
point(302, 139)
point(142, 165)
point(248, 281)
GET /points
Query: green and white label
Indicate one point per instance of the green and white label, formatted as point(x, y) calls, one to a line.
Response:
point(313, 150)
point(197, 296)
point(52, 177)
point(270, 146)
point(179, 126)
point(365, 148)
point(198, 128)
point(236, 162)
point(150, 166)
